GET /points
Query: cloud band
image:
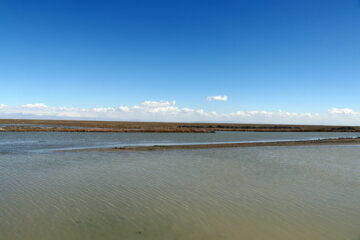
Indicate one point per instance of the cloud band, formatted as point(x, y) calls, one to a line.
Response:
point(168, 111)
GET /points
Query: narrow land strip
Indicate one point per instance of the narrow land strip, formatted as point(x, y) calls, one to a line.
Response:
point(221, 145)
point(32, 125)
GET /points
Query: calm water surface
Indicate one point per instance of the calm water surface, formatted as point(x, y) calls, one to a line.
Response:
point(300, 192)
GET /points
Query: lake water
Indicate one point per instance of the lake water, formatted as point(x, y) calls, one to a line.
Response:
point(298, 192)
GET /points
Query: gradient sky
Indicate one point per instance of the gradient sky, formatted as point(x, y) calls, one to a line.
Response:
point(297, 56)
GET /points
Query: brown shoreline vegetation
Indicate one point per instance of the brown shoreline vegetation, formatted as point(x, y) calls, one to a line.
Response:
point(165, 127)
point(339, 141)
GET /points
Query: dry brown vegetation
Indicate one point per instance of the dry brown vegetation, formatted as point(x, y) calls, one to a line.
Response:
point(113, 126)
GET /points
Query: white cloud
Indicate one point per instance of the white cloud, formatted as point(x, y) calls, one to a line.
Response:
point(35, 105)
point(217, 98)
point(168, 111)
point(154, 104)
point(346, 111)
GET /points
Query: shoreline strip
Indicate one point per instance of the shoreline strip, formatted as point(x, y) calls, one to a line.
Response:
point(328, 141)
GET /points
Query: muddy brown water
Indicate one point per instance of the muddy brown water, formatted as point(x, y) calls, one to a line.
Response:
point(298, 192)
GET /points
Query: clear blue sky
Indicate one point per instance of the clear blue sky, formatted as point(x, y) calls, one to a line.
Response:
point(296, 55)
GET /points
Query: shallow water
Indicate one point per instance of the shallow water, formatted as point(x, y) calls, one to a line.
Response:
point(300, 192)
point(20, 142)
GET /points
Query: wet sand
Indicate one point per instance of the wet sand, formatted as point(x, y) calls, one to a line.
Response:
point(340, 141)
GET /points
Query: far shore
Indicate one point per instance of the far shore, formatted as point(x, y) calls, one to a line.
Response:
point(33, 125)
point(337, 141)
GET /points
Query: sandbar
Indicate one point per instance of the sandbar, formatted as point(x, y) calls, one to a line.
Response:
point(330, 141)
